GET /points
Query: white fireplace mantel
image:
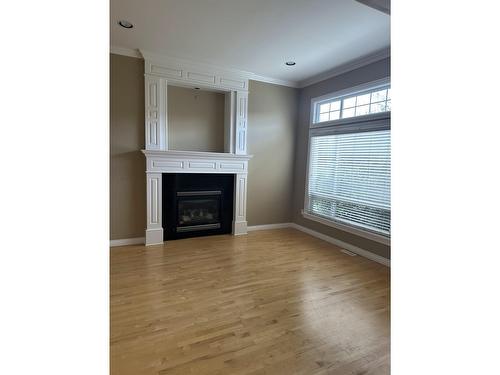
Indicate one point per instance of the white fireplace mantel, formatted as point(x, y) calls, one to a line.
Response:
point(158, 162)
point(161, 71)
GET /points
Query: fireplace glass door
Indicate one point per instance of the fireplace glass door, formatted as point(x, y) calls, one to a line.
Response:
point(198, 210)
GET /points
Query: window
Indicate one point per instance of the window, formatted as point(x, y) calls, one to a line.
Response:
point(367, 102)
point(349, 167)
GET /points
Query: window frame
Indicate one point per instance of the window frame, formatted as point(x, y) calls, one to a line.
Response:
point(357, 124)
point(343, 94)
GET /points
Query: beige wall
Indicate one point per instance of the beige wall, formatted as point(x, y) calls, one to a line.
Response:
point(272, 119)
point(365, 74)
point(195, 120)
point(127, 163)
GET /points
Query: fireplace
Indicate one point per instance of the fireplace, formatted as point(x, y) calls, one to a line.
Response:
point(198, 210)
point(197, 204)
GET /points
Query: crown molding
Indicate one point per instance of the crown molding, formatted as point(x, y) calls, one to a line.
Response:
point(141, 54)
point(275, 81)
point(125, 52)
point(237, 72)
point(352, 65)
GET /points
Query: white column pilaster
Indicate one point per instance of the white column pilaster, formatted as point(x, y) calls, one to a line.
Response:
point(155, 113)
point(154, 230)
point(241, 122)
point(240, 204)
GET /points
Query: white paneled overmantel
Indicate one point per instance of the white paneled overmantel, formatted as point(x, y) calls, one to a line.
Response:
point(161, 71)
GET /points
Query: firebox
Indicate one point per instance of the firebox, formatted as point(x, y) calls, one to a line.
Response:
point(197, 204)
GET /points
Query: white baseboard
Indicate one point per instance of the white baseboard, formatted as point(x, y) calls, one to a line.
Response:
point(127, 241)
point(344, 245)
point(269, 226)
point(321, 236)
point(239, 228)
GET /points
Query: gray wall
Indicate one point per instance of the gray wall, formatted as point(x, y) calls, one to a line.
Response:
point(365, 74)
point(195, 120)
point(272, 119)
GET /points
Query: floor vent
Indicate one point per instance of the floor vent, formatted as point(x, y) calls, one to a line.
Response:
point(350, 253)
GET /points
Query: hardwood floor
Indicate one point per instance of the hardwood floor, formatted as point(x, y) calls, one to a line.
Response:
point(271, 302)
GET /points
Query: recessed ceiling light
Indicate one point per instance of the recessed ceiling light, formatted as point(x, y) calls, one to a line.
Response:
point(125, 24)
point(290, 63)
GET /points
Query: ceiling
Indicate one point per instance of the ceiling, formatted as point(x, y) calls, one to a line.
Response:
point(257, 36)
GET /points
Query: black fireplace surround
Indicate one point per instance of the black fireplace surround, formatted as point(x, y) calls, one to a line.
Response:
point(196, 204)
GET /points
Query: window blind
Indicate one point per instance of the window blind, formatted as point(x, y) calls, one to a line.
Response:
point(349, 179)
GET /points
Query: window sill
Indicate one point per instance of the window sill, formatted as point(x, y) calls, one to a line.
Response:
point(347, 228)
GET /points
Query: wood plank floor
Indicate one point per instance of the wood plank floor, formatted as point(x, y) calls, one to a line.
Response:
point(271, 302)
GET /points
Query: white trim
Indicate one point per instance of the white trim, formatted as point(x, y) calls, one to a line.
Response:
point(210, 74)
point(154, 236)
point(341, 94)
point(195, 162)
point(316, 128)
point(355, 64)
point(196, 154)
point(127, 241)
point(125, 52)
point(336, 124)
point(344, 245)
point(269, 226)
point(240, 228)
point(158, 162)
point(352, 65)
point(353, 89)
point(274, 81)
point(348, 228)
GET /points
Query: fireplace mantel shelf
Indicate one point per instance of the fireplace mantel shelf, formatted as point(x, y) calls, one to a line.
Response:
point(174, 154)
point(195, 162)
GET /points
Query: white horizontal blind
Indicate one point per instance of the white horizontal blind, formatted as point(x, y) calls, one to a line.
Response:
point(349, 179)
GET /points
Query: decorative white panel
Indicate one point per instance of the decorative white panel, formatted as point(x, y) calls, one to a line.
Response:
point(184, 71)
point(153, 200)
point(195, 162)
point(166, 164)
point(200, 77)
point(155, 111)
point(234, 83)
point(240, 166)
point(229, 121)
point(241, 196)
point(166, 71)
point(240, 204)
point(212, 165)
point(241, 122)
